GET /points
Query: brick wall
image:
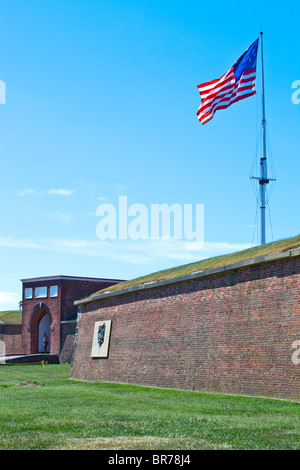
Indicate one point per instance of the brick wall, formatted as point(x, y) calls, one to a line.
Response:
point(11, 334)
point(229, 332)
point(77, 289)
point(66, 342)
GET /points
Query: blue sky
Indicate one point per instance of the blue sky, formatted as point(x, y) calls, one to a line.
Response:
point(101, 101)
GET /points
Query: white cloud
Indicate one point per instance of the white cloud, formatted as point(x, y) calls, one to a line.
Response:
point(140, 252)
point(57, 192)
point(61, 192)
point(25, 192)
point(19, 243)
point(61, 217)
point(9, 301)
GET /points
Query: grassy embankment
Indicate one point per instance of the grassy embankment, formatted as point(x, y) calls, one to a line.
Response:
point(210, 263)
point(11, 316)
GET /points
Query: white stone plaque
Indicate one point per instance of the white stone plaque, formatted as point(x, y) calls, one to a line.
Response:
point(101, 338)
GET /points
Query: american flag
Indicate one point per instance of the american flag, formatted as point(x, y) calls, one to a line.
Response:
point(238, 83)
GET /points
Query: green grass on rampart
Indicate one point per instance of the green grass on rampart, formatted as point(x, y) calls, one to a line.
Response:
point(11, 316)
point(210, 263)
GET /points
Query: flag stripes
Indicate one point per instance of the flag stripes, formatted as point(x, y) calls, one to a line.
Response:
point(220, 94)
point(238, 83)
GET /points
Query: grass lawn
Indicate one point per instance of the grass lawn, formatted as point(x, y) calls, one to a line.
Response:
point(68, 414)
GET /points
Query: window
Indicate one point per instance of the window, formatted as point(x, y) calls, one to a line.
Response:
point(53, 291)
point(28, 293)
point(40, 292)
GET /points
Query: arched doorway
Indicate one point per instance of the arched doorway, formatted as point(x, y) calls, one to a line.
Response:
point(44, 327)
point(41, 320)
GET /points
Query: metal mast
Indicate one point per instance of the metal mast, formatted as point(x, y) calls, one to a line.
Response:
point(263, 178)
point(263, 161)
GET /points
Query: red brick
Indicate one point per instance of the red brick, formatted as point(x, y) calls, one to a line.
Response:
point(228, 332)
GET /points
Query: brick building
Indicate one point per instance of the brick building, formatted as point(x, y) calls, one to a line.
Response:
point(231, 329)
point(48, 306)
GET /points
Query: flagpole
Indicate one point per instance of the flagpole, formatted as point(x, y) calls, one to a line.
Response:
point(263, 181)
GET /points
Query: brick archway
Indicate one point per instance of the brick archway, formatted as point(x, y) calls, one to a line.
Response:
point(38, 312)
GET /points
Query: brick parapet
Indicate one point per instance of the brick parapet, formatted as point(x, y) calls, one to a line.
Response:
point(231, 331)
point(11, 335)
